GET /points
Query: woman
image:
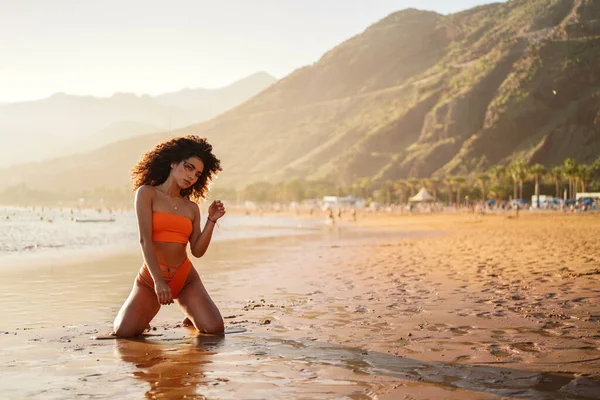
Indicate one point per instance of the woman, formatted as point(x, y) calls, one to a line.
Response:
point(168, 180)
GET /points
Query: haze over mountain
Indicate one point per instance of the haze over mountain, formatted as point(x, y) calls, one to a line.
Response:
point(63, 124)
point(416, 94)
point(209, 102)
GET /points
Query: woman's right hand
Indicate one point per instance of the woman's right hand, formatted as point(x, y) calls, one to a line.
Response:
point(163, 292)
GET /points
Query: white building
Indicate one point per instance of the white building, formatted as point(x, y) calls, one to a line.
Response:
point(591, 195)
point(543, 199)
point(335, 202)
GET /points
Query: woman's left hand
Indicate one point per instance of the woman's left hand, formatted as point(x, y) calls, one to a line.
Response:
point(216, 210)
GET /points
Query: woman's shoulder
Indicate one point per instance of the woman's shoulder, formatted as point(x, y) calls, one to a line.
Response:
point(192, 205)
point(146, 190)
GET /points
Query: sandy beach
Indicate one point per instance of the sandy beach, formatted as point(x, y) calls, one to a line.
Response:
point(412, 306)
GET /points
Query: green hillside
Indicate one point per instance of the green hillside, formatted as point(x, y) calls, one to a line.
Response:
point(421, 94)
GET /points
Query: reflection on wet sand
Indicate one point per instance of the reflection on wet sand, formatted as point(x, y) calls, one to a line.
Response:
point(173, 371)
point(238, 366)
point(272, 366)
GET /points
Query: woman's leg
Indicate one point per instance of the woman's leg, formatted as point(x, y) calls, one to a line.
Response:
point(199, 307)
point(137, 311)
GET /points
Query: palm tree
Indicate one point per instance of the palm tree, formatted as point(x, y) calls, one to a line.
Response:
point(518, 172)
point(459, 181)
point(483, 181)
point(365, 186)
point(412, 182)
point(512, 171)
point(434, 183)
point(399, 187)
point(538, 171)
point(570, 170)
point(596, 165)
point(449, 181)
point(497, 173)
point(556, 174)
point(523, 174)
point(584, 174)
point(387, 188)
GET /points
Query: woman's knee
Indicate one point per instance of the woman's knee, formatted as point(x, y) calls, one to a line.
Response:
point(125, 330)
point(215, 327)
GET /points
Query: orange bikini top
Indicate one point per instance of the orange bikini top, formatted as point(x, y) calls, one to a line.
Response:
point(168, 227)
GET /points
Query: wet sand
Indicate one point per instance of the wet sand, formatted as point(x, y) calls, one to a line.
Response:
point(453, 306)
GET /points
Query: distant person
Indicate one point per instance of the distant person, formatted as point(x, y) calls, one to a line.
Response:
point(330, 217)
point(168, 181)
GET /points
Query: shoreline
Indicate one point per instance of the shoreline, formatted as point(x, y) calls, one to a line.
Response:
point(54, 254)
point(377, 223)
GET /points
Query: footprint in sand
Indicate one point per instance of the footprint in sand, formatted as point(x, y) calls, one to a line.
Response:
point(529, 347)
point(460, 360)
point(461, 330)
point(499, 351)
point(578, 299)
point(434, 328)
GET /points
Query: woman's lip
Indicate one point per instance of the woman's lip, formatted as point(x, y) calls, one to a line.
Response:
point(187, 182)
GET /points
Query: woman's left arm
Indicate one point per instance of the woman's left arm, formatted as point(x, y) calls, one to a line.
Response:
point(200, 238)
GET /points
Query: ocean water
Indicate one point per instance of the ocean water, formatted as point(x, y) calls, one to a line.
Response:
point(43, 231)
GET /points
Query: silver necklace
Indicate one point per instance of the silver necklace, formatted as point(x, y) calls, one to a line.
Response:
point(170, 199)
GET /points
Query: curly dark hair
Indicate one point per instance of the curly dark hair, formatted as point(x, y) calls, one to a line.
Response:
point(154, 166)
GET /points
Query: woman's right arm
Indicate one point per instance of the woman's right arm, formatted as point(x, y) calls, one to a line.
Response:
point(143, 211)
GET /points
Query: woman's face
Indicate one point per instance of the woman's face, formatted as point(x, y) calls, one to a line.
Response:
point(187, 172)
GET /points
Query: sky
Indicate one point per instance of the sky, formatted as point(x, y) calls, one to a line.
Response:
point(154, 46)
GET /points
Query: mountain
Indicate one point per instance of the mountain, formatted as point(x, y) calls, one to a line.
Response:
point(421, 94)
point(42, 129)
point(113, 133)
point(207, 103)
point(62, 123)
point(418, 94)
point(75, 175)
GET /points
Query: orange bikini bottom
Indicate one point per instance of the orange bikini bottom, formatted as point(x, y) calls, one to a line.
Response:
point(175, 277)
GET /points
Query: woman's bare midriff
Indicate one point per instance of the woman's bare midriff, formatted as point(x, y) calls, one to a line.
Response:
point(171, 254)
